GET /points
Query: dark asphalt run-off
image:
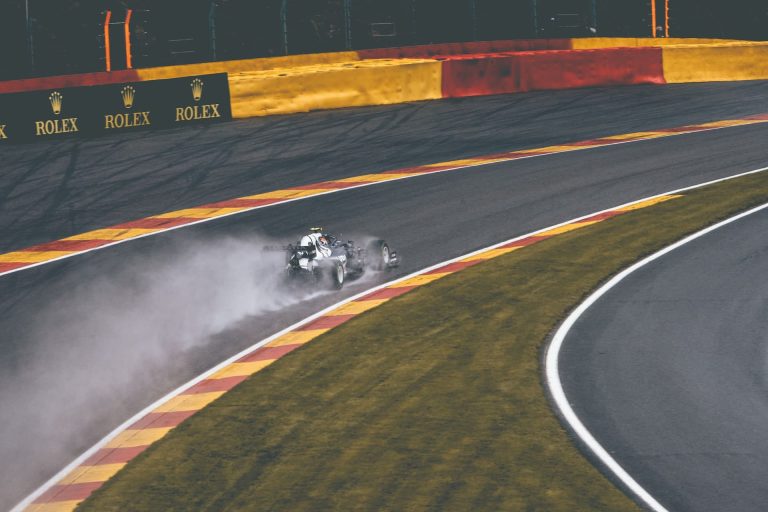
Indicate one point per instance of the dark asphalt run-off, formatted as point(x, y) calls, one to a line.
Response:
point(668, 370)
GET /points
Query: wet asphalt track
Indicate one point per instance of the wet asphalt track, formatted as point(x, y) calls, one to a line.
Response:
point(56, 189)
point(669, 370)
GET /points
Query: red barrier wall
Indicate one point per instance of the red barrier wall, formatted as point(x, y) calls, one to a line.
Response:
point(478, 75)
point(431, 50)
point(57, 82)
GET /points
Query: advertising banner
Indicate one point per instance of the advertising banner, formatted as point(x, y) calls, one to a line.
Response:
point(95, 110)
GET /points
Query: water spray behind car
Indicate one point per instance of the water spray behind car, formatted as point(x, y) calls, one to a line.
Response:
point(119, 336)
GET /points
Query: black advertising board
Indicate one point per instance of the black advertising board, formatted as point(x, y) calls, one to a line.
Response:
point(101, 109)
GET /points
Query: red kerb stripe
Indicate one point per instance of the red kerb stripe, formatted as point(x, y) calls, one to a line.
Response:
point(325, 322)
point(210, 385)
point(5, 267)
point(114, 455)
point(153, 223)
point(496, 156)
point(240, 203)
point(593, 142)
point(68, 492)
point(602, 216)
point(523, 243)
point(418, 169)
point(517, 154)
point(68, 245)
point(327, 185)
point(267, 353)
point(683, 129)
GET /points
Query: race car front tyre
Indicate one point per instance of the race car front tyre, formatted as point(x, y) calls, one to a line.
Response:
point(337, 275)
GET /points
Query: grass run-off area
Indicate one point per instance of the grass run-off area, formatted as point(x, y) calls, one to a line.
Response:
point(433, 401)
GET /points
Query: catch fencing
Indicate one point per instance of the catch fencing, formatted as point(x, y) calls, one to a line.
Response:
point(45, 37)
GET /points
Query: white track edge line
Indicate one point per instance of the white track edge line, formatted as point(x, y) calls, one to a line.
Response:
point(79, 460)
point(553, 352)
point(333, 191)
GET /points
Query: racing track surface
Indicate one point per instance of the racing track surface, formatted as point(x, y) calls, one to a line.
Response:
point(89, 341)
point(55, 189)
point(669, 371)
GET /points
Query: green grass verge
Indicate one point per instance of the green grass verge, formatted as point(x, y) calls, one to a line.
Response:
point(433, 401)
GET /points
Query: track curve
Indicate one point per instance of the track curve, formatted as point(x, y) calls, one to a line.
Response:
point(55, 189)
point(82, 335)
point(668, 371)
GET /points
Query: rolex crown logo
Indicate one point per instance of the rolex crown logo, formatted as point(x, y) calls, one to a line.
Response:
point(197, 89)
point(128, 93)
point(56, 99)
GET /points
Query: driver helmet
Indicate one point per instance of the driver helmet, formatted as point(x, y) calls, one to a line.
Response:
point(323, 240)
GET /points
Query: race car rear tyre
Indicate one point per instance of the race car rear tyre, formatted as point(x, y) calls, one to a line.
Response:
point(337, 275)
point(378, 254)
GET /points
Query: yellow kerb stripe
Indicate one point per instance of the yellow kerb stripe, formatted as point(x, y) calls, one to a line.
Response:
point(731, 122)
point(372, 178)
point(199, 213)
point(486, 255)
point(296, 337)
point(420, 280)
point(58, 506)
point(112, 234)
point(649, 202)
point(568, 227)
point(88, 474)
point(241, 369)
point(496, 160)
point(288, 194)
point(458, 163)
point(32, 256)
point(560, 149)
point(535, 151)
point(182, 403)
point(356, 307)
point(133, 438)
point(637, 135)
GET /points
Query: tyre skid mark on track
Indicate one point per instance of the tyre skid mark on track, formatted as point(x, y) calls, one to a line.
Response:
point(75, 484)
point(49, 252)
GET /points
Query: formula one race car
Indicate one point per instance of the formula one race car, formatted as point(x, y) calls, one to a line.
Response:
point(320, 258)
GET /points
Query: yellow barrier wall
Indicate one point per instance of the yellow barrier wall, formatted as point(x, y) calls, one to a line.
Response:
point(350, 84)
point(707, 63)
point(300, 83)
point(589, 43)
point(239, 66)
point(291, 61)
